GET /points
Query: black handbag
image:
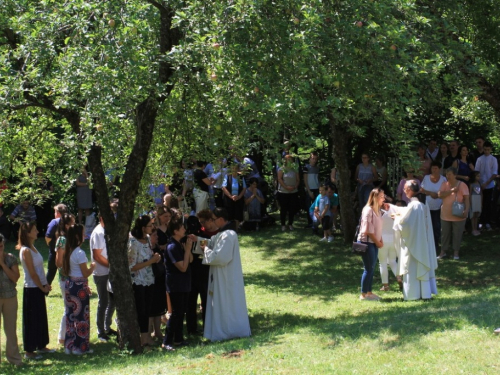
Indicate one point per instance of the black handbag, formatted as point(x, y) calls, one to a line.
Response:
point(358, 248)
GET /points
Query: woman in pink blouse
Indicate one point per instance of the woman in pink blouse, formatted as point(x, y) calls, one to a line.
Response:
point(370, 232)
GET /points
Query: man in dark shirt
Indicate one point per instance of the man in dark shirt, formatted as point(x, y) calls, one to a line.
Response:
point(448, 162)
point(479, 151)
point(50, 238)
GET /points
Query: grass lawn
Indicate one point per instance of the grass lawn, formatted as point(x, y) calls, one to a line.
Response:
point(306, 318)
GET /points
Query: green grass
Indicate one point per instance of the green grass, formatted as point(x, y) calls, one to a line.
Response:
point(306, 318)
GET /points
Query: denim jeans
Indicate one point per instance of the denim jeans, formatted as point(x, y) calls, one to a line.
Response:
point(369, 261)
point(105, 305)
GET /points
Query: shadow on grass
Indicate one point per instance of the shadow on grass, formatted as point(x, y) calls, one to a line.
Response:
point(404, 323)
point(296, 261)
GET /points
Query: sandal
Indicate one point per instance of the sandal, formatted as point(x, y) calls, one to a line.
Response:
point(385, 288)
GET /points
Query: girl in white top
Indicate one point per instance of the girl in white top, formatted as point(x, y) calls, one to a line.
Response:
point(387, 254)
point(77, 292)
point(65, 222)
point(35, 323)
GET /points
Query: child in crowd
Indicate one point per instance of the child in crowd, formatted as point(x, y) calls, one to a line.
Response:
point(334, 205)
point(476, 197)
point(315, 222)
point(323, 214)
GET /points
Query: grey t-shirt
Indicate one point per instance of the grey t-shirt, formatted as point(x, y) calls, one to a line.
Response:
point(312, 172)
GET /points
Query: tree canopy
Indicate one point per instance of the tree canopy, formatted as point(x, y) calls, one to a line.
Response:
point(134, 86)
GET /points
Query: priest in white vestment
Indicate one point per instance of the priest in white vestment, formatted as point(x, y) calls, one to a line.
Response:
point(417, 253)
point(227, 314)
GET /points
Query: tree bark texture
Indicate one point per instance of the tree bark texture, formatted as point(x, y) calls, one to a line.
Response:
point(340, 139)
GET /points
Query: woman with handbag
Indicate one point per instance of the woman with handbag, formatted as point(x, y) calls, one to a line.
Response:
point(370, 233)
point(454, 211)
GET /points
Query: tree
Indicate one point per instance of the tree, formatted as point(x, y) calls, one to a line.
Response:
point(68, 71)
point(353, 67)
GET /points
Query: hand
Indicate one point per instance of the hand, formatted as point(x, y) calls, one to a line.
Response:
point(454, 189)
point(156, 258)
point(47, 288)
point(311, 194)
point(234, 198)
point(92, 265)
point(381, 243)
point(192, 237)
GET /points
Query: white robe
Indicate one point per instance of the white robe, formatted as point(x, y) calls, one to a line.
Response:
point(227, 314)
point(417, 253)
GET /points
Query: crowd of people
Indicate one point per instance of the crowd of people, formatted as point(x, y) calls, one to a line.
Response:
point(186, 248)
point(434, 202)
point(174, 259)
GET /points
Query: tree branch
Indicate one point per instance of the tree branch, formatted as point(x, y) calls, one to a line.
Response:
point(157, 5)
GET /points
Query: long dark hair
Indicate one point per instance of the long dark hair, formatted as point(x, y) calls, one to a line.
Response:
point(24, 231)
point(66, 219)
point(141, 222)
point(74, 238)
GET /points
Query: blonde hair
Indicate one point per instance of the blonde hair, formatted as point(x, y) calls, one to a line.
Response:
point(373, 200)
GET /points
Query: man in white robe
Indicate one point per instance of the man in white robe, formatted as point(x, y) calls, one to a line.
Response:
point(417, 261)
point(227, 314)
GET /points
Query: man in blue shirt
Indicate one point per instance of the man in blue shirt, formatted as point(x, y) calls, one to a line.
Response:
point(50, 238)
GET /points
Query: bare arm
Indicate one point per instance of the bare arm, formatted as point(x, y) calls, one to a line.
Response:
point(333, 176)
point(87, 271)
point(12, 273)
point(28, 260)
point(78, 183)
point(467, 205)
point(59, 257)
point(139, 266)
point(240, 195)
point(99, 258)
point(207, 181)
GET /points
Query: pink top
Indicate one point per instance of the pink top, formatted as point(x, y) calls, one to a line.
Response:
point(370, 223)
point(463, 191)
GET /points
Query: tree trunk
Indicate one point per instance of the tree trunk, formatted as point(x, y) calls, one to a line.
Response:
point(340, 140)
point(117, 230)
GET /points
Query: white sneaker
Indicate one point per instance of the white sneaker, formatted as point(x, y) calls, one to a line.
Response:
point(323, 239)
point(330, 238)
